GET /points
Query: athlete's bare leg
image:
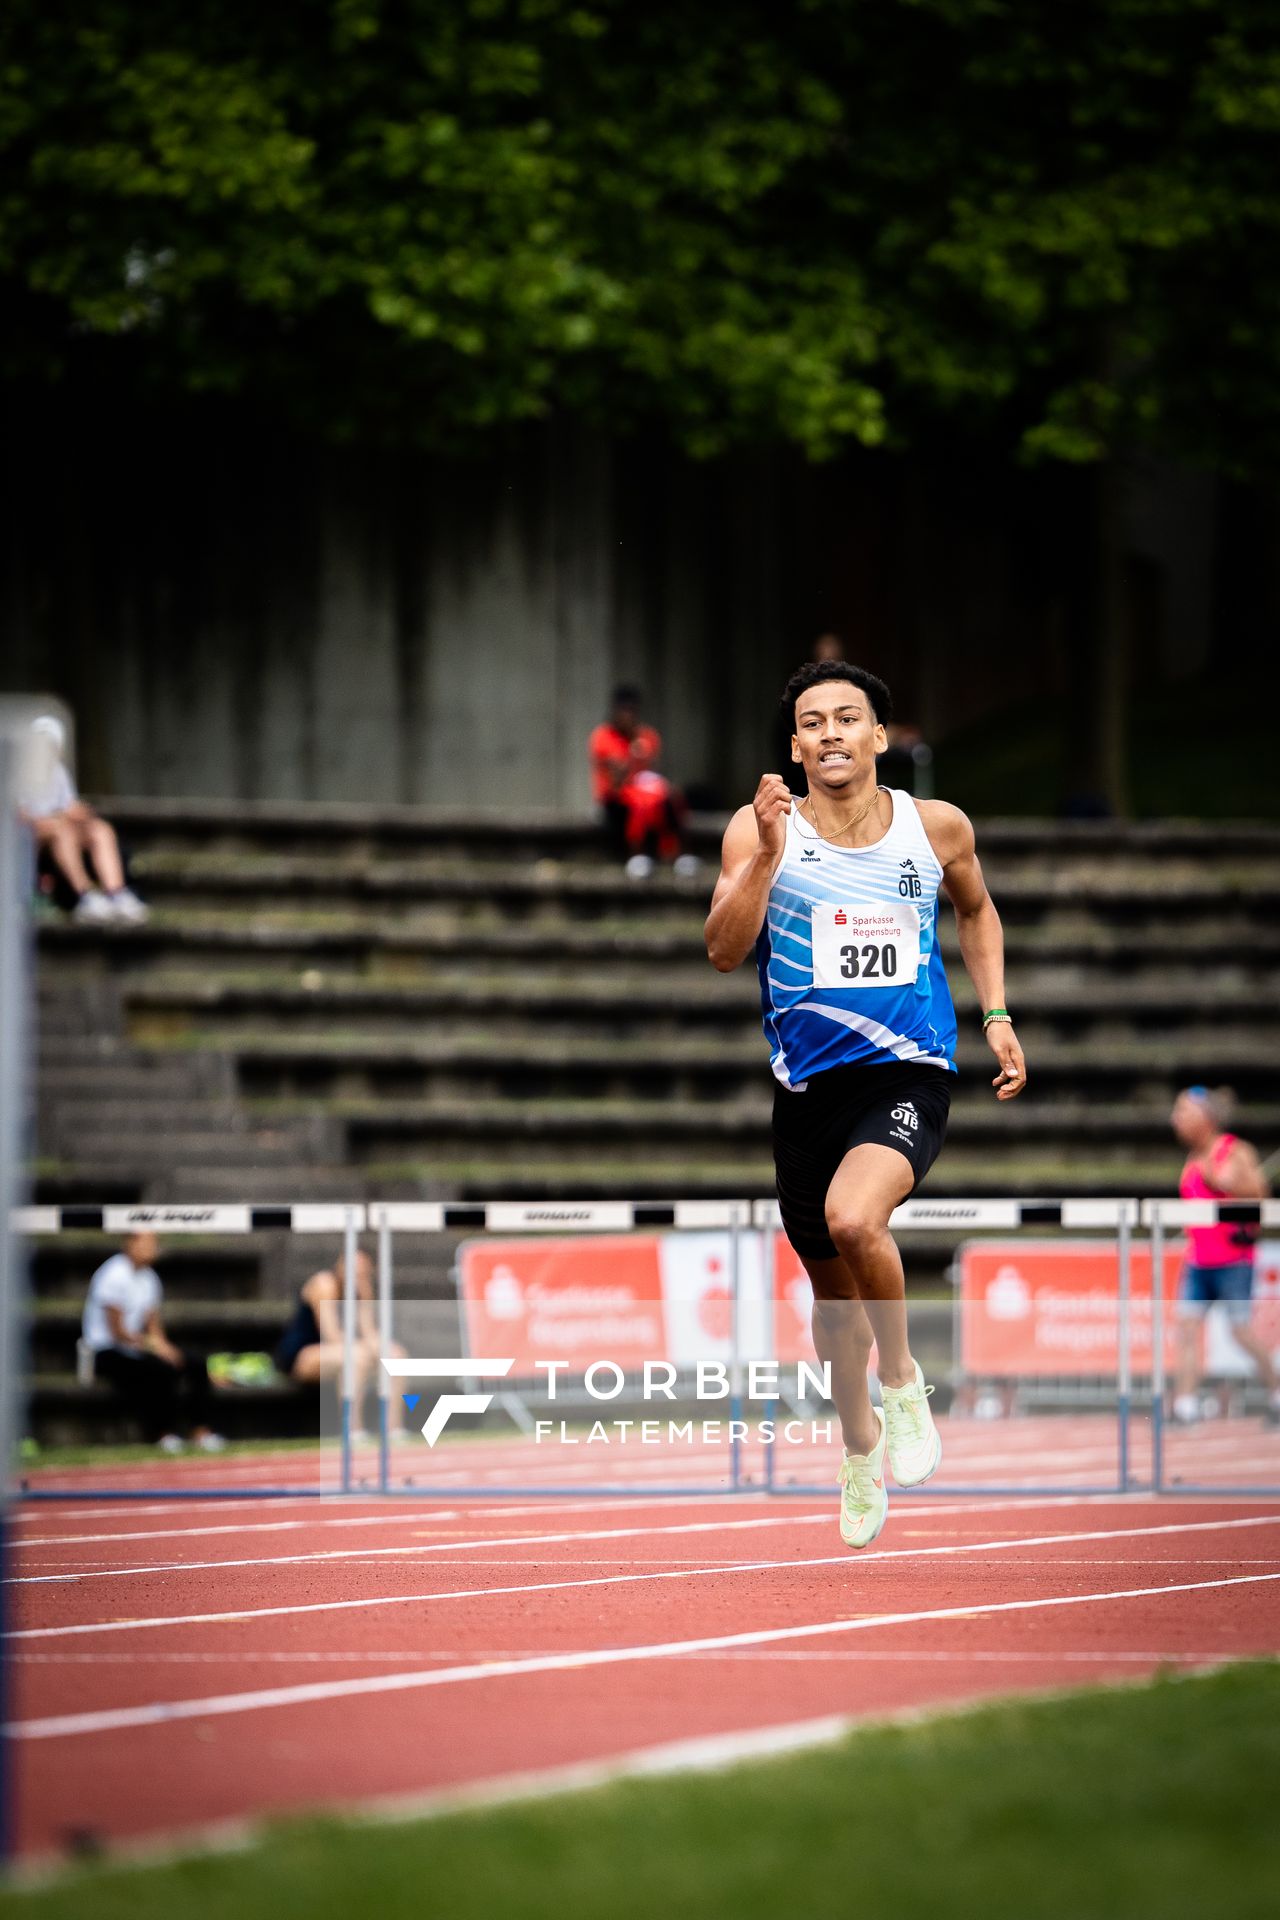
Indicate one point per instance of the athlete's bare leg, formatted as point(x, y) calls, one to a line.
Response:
point(323, 1361)
point(1188, 1339)
point(1244, 1336)
point(842, 1334)
point(869, 1183)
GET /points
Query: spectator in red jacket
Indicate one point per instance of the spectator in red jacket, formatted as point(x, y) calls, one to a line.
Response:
point(641, 811)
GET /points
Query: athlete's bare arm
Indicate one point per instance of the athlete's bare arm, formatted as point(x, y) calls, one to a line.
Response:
point(753, 843)
point(1241, 1173)
point(981, 935)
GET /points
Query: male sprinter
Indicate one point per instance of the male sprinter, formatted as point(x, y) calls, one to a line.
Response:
point(837, 892)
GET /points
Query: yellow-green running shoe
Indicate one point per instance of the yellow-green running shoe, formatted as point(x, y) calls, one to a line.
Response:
point(864, 1504)
point(915, 1445)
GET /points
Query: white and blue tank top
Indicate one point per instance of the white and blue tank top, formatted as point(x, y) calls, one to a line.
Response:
point(850, 970)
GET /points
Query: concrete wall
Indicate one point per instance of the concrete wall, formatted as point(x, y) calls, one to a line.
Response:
point(233, 613)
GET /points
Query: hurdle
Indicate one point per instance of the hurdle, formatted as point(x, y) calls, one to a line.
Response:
point(737, 1219)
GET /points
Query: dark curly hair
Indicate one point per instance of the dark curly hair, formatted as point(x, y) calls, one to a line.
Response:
point(815, 672)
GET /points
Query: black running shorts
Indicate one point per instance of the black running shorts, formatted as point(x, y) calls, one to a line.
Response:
point(901, 1106)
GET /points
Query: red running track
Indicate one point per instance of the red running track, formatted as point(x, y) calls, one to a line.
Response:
point(182, 1664)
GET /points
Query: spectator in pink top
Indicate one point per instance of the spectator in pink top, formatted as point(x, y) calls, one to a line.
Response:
point(1219, 1264)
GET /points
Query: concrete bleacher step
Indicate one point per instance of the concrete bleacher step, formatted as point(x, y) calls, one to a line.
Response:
point(244, 1325)
point(262, 1185)
point(607, 1171)
point(488, 896)
point(244, 825)
point(61, 1268)
point(61, 1412)
point(644, 1123)
point(231, 944)
point(615, 1170)
point(146, 1151)
point(474, 1067)
point(598, 1012)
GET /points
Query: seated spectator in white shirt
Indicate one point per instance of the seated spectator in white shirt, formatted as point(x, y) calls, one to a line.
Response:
point(72, 837)
point(131, 1351)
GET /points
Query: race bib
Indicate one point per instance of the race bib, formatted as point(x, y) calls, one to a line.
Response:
point(865, 946)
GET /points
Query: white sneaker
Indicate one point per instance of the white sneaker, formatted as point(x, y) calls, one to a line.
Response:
point(687, 866)
point(639, 867)
point(915, 1446)
point(864, 1504)
point(128, 909)
point(171, 1443)
point(93, 909)
point(211, 1443)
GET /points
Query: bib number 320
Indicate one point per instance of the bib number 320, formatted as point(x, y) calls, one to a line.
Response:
point(867, 947)
point(870, 962)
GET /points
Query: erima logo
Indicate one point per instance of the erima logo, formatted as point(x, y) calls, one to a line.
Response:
point(474, 1369)
point(809, 854)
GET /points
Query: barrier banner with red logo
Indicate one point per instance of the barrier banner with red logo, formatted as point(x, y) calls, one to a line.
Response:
point(1035, 1308)
point(631, 1298)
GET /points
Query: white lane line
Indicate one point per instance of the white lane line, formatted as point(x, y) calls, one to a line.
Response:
point(154, 1713)
point(75, 1573)
point(170, 1533)
point(440, 1546)
point(703, 1572)
point(324, 1656)
point(1048, 1656)
point(390, 1515)
point(320, 1511)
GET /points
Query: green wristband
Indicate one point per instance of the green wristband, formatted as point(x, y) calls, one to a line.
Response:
point(997, 1013)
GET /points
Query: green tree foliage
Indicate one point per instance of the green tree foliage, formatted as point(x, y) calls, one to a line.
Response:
point(825, 222)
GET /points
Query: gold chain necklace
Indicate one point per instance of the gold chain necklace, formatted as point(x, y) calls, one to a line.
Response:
point(854, 818)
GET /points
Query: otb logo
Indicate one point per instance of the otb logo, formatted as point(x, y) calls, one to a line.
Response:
point(438, 1418)
point(909, 881)
point(906, 1115)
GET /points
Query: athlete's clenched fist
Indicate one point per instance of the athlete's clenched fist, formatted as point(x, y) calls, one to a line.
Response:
point(772, 805)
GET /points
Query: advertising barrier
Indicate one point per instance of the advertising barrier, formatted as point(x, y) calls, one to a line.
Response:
point(1036, 1309)
point(643, 1297)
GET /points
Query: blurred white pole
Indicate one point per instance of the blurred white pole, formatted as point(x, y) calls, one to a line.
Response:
point(15, 882)
point(737, 1212)
point(384, 1350)
point(1125, 1380)
point(1157, 1351)
point(349, 1409)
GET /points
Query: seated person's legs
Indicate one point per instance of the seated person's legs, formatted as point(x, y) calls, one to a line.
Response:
point(613, 815)
point(58, 841)
point(98, 838)
point(148, 1386)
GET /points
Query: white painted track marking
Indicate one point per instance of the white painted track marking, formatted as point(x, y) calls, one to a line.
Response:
point(889, 1555)
point(486, 1510)
point(118, 1719)
point(76, 1573)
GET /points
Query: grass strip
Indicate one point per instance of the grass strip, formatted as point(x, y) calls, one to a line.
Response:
point(1156, 1800)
